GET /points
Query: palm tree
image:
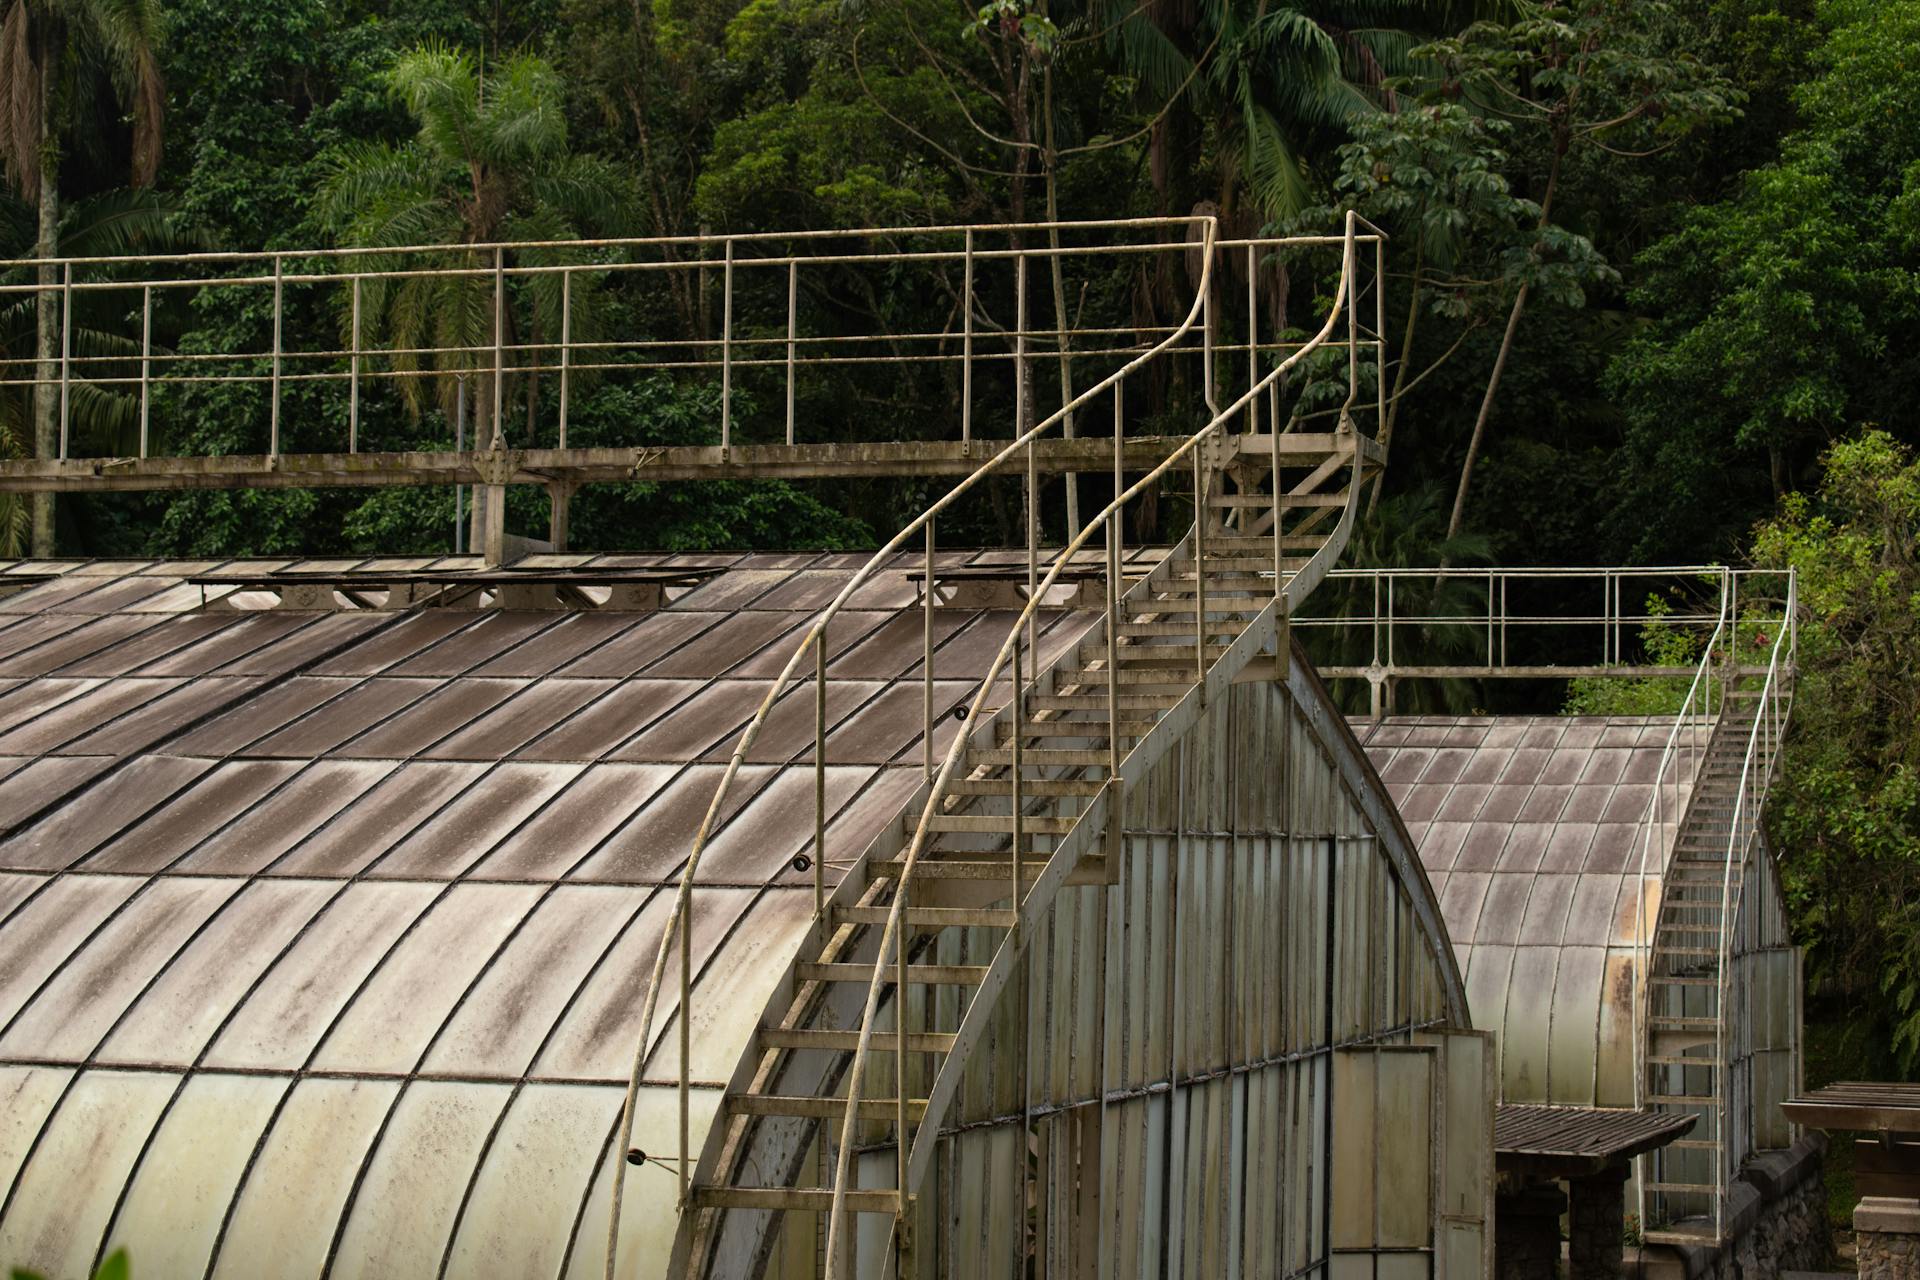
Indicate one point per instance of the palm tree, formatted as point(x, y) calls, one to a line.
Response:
point(56, 56)
point(124, 222)
point(489, 163)
point(1263, 77)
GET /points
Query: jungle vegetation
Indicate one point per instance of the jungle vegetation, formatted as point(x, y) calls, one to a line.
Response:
point(1656, 271)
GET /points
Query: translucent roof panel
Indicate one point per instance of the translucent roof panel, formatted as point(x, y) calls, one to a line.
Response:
point(324, 936)
point(1531, 829)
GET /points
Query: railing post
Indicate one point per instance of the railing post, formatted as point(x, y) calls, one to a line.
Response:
point(66, 354)
point(966, 351)
point(1113, 671)
point(499, 350)
point(1018, 798)
point(1379, 334)
point(279, 310)
point(1253, 357)
point(353, 380)
point(1020, 428)
point(146, 362)
point(1199, 571)
point(793, 315)
point(566, 346)
point(926, 662)
point(820, 771)
point(726, 352)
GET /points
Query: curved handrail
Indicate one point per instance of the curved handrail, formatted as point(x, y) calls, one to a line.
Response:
point(957, 750)
point(1762, 732)
point(680, 919)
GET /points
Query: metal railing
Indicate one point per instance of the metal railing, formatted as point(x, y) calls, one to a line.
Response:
point(1513, 623)
point(1720, 672)
point(790, 306)
point(1019, 650)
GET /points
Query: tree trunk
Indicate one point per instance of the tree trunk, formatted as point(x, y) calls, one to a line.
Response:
point(1480, 422)
point(1500, 361)
point(46, 395)
point(1400, 375)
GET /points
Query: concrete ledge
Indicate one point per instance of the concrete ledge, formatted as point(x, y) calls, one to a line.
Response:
point(1883, 1213)
point(1778, 1172)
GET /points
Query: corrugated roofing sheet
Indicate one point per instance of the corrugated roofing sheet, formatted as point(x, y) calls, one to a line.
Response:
point(1528, 827)
point(337, 924)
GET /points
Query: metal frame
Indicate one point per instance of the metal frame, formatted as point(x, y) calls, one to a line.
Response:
point(1210, 453)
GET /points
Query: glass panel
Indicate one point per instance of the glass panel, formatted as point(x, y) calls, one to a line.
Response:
point(479, 818)
point(628, 709)
point(731, 989)
point(292, 1008)
point(529, 1191)
point(61, 1203)
point(35, 940)
point(503, 1021)
point(284, 1220)
point(392, 1020)
point(596, 1039)
point(376, 819)
point(173, 1019)
point(184, 821)
point(285, 818)
point(647, 1224)
point(404, 1211)
point(79, 1006)
point(181, 1190)
point(27, 1094)
point(597, 802)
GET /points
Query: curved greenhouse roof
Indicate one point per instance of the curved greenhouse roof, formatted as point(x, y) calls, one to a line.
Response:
point(323, 934)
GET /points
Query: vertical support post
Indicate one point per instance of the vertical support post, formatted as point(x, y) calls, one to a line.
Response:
point(1379, 334)
point(146, 362)
point(1119, 442)
point(1199, 570)
point(926, 662)
point(66, 354)
point(726, 352)
point(559, 513)
point(793, 316)
point(1253, 351)
point(459, 446)
point(901, 1224)
point(1020, 429)
point(279, 311)
point(686, 1038)
point(819, 771)
point(353, 380)
point(499, 339)
point(1113, 677)
point(566, 347)
point(1019, 800)
point(966, 350)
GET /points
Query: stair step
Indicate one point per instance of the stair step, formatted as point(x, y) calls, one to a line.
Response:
point(1690, 951)
point(1682, 1100)
point(931, 917)
point(1681, 980)
point(817, 1038)
point(1000, 823)
point(1181, 629)
point(1098, 702)
point(1028, 786)
point(1695, 1144)
point(1676, 1060)
point(833, 1107)
point(932, 975)
point(811, 1199)
point(1096, 729)
point(1675, 1022)
point(1685, 1188)
point(1090, 870)
point(1039, 757)
point(1166, 674)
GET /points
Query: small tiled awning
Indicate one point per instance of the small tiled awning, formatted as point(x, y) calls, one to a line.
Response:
point(1868, 1106)
point(1572, 1142)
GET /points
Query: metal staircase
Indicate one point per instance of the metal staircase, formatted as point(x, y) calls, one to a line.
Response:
point(837, 1107)
point(1686, 1027)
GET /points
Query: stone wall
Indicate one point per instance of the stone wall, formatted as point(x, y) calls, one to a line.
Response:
point(1777, 1221)
point(1887, 1233)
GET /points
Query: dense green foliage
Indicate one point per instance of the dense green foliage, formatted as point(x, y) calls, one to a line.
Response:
point(1653, 275)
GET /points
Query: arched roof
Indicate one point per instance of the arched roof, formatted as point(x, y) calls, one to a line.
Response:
point(1529, 828)
point(323, 935)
